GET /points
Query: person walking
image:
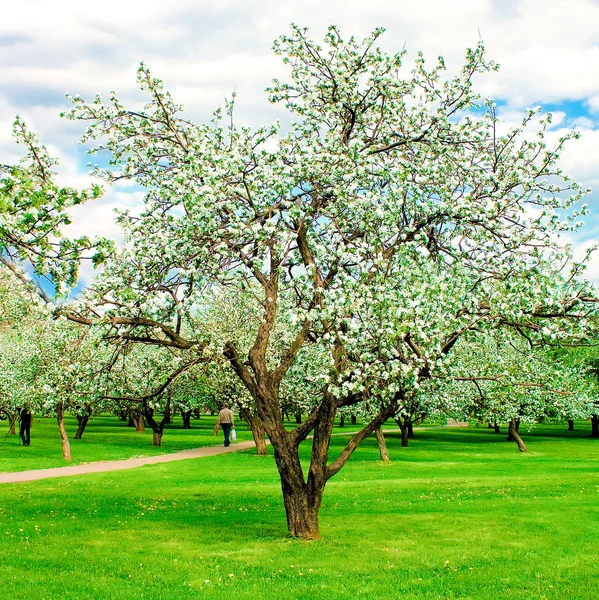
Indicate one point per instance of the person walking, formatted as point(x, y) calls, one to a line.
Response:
point(226, 421)
point(25, 429)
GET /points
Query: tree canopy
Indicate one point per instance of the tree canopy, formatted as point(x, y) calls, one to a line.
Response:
point(394, 216)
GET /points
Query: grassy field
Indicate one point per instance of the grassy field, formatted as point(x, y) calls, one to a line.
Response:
point(459, 514)
point(105, 438)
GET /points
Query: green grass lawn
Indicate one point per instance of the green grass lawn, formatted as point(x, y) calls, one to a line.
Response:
point(105, 438)
point(459, 514)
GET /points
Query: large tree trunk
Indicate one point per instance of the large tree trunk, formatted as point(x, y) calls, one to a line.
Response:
point(186, 416)
point(257, 429)
point(380, 438)
point(570, 425)
point(157, 438)
point(301, 498)
point(301, 506)
point(595, 426)
point(410, 429)
point(82, 421)
point(64, 438)
point(514, 436)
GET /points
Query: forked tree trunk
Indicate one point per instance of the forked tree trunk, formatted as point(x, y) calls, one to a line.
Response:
point(186, 416)
point(137, 420)
point(595, 426)
point(64, 438)
point(405, 432)
point(82, 421)
point(301, 497)
point(570, 425)
point(301, 506)
point(257, 429)
point(380, 438)
point(514, 436)
point(157, 428)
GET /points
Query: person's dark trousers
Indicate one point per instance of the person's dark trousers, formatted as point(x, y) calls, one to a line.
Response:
point(227, 431)
point(25, 432)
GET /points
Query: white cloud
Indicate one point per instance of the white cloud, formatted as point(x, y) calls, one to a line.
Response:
point(548, 51)
point(593, 103)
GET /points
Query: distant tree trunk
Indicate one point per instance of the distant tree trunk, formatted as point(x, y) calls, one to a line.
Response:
point(82, 421)
point(12, 419)
point(257, 429)
point(380, 438)
point(157, 428)
point(298, 417)
point(570, 425)
point(403, 426)
point(186, 416)
point(64, 438)
point(514, 436)
point(496, 427)
point(595, 426)
point(489, 425)
point(353, 419)
point(196, 413)
point(123, 416)
point(137, 420)
point(342, 421)
point(513, 426)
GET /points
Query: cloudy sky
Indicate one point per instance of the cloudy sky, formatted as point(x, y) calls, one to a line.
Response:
point(548, 51)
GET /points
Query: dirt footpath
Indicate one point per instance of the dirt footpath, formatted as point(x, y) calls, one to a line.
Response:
point(119, 465)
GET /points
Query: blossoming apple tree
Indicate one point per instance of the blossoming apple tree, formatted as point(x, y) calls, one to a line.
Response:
point(393, 216)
